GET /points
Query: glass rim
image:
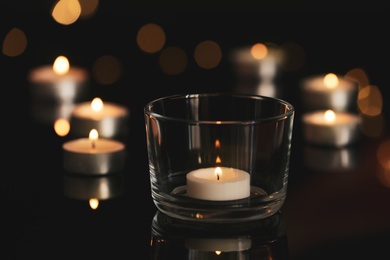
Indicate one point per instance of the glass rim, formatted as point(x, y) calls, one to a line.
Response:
point(282, 116)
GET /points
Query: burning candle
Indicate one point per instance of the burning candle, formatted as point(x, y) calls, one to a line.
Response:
point(59, 83)
point(108, 118)
point(218, 183)
point(93, 155)
point(329, 91)
point(331, 128)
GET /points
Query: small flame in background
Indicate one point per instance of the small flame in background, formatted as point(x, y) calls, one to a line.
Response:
point(151, 39)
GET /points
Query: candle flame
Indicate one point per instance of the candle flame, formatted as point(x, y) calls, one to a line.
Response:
point(61, 65)
point(329, 116)
point(331, 80)
point(218, 252)
point(93, 136)
point(93, 203)
point(218, 172)
point(97, 104)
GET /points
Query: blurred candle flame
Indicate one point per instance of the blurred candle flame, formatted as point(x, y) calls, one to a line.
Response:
point(331, 80)
point(61, 65)
point(97, 104)
point(329, 116)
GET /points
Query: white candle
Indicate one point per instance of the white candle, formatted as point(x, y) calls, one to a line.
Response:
point(108, 118)
point(328, 127)
point(218, 183)
point(59, 83)
point(219, 244)
point(329, 91)
point(93, 155)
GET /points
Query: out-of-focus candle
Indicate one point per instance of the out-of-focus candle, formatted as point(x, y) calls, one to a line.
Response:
point(329, 91)
point(59, 83)
point(94, 155)
point(218, 183)
point(330, 128)
point(109, 119)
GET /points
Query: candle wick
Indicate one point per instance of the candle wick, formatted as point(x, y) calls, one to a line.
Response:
point(93, 144)
point(217, 177)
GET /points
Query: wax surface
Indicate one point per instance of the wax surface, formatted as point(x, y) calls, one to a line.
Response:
point(46, 74)
point(84, 145)
point(232, 184)
point(316, 83)
point(341, 118)
point(84, 110)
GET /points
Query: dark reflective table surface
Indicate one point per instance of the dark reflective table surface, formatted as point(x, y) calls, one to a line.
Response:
point(338, 200)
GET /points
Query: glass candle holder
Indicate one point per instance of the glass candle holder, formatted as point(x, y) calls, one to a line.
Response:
point(219, 157)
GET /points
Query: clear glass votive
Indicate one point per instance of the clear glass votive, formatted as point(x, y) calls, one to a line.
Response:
point(220, 157)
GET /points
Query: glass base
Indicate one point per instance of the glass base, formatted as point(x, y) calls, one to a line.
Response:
point(259, 205)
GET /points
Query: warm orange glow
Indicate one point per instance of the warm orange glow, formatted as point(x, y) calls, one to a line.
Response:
point(329, 116)
point(66, 11)
point(15, 42)
point(93, 203)
point(173, 60)
point(370, 101)
point(97, 104)
point(208, 54)
point(359, 75)
point(61, 65)
point(331, 80)
point(62, 126)
point(88, 8)
point(218, 160)
point(259, 51)
point(151, 38)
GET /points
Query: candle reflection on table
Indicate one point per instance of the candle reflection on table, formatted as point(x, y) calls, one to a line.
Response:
point(93, 188)
point(331, 159)
point(262, 239)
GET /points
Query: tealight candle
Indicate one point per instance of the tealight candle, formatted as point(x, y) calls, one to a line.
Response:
point(331, 128)
point(329, 91)
point(94, 155)
point(219, 244)
point(218, 183)
point(108, 118)
point(59, 83)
